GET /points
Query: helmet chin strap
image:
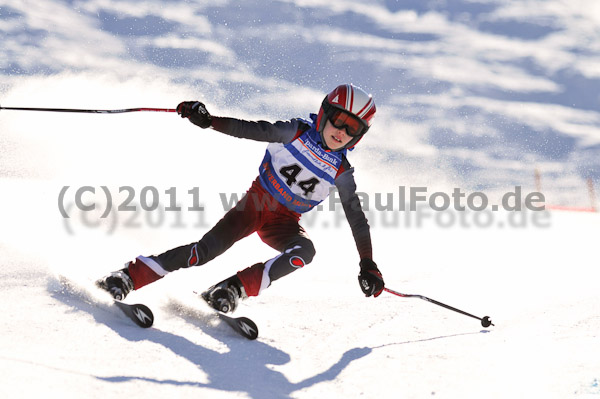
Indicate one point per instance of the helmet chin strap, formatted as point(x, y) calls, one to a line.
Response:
point(323, 144)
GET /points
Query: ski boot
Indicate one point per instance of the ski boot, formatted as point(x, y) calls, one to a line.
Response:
point(225, 295)
point(118, 284)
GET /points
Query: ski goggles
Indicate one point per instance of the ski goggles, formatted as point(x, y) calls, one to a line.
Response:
point(342, 119)
point(345, 120)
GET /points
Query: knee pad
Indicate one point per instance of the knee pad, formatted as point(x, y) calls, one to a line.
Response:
point(303, 248)
point(257, 277)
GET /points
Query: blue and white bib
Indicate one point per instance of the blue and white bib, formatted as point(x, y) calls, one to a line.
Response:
point(300, 174)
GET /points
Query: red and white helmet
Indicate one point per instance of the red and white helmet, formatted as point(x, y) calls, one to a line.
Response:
point(353, 105)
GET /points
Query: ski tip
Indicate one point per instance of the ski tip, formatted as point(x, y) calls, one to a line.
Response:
point(242, 325)
point(248, 327)
point(138, 313)
point(144, 316)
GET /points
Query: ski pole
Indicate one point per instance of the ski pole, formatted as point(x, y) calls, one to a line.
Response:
point(91, 111)
point(485, 321)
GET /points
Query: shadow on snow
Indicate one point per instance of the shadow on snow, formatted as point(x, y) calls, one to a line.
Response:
point(244, 368)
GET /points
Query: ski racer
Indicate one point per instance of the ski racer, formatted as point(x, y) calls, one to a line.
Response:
point(304, 160)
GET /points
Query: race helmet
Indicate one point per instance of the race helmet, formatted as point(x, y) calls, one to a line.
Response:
point(350, 107)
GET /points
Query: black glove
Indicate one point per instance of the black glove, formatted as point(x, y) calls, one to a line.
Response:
point(369, 278)
point(196, 112)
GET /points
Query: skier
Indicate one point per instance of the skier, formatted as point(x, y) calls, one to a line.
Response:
point(304, 160)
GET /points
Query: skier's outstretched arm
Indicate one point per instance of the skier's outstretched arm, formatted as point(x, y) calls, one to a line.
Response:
point(278, 132)
point(369, 278)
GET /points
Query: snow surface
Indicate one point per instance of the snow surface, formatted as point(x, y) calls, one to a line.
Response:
point(470, 94)
point(319, 337)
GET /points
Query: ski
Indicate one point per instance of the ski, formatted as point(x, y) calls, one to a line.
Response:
point(241, 325)
point(138, 313)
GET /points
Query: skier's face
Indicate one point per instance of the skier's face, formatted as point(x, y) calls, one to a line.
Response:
point(335, 138)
